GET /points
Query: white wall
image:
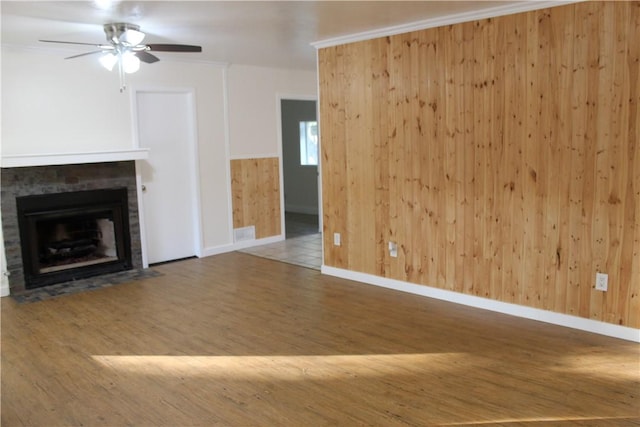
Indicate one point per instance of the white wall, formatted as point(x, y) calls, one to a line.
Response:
point(52, 105)
point(253, 106)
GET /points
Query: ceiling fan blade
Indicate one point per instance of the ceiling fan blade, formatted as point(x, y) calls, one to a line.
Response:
point(174, 48)
point(57, 41)
point(147, 57)
point(84, 54)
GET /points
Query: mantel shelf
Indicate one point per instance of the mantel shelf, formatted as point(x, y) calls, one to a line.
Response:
point(25, 160)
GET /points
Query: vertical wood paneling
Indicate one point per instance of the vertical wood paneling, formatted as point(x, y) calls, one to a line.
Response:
point(377, 66)
point(456, 105)
point(452, 135)
point(468, 154)
point(501, 155)
point(630, 299)
point(334, 178)
point(617, 156)
point(396, 160)
point(558, 184)
point(515, 65)
point(361, 179)
point(255, 189)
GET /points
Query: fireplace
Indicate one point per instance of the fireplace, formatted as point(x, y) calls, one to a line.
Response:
point(72, 235)
point(117, 228)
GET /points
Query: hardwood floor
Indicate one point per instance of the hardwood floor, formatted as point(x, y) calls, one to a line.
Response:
point(239, 340)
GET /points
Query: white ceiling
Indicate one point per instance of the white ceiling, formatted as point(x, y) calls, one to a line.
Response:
point(262, 33)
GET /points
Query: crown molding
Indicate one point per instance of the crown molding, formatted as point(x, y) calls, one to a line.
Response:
point(492, 12)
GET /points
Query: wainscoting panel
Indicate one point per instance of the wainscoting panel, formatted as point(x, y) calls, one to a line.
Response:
point(255, 189)
point(501, 155)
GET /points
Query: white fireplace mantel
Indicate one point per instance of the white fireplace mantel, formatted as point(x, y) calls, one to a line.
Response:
point(25, 160)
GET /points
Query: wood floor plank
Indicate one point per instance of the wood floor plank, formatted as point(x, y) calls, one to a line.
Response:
point(238, 340)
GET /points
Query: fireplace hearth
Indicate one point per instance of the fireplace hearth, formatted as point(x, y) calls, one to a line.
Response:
point(72, 235)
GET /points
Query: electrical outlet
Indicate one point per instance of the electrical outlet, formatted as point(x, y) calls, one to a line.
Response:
point(393, 249)
point(602, 281)
point(336, 239)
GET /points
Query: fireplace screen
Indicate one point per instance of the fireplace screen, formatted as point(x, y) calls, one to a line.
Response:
point(67, 236)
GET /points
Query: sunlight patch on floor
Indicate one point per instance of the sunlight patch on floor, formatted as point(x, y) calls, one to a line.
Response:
point(283, 367)
point(601, 365)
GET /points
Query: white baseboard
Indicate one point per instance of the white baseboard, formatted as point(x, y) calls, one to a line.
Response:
point(215, 250)
point(589, 325)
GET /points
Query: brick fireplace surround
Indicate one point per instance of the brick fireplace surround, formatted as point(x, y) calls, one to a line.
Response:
point(24, 181)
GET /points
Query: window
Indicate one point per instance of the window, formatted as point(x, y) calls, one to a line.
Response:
point(308, 143)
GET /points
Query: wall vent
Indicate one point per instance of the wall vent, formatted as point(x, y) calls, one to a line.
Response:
point(244, 233)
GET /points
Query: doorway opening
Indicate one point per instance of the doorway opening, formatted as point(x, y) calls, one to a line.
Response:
point(300, 154)
point(300, 178)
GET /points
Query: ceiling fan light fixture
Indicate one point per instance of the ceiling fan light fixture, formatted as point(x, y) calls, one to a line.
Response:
point(132, 37)
point(108, 60)
point(130, 62)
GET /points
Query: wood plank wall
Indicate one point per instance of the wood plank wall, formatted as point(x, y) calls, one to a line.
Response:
point(501, 155)
point(255, 189)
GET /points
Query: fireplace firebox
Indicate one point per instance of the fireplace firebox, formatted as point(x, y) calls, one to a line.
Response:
point(73, 235)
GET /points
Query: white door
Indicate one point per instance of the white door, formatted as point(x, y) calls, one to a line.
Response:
point(165, 122)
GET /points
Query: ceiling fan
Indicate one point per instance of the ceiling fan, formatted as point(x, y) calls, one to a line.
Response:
point(124, 47)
